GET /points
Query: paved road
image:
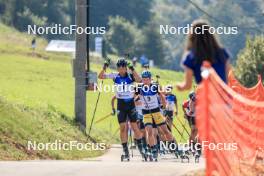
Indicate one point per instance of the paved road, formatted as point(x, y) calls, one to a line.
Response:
point(108, 164)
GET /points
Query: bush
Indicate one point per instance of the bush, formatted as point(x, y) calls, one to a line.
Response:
point(250, 61)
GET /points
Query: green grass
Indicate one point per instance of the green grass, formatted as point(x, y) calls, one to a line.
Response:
point(20, 124)
point(45, 80)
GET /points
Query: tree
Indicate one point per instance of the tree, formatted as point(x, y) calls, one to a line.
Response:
point(138, 11)
point(153, 46)
point(121, 37)
point(250, 61)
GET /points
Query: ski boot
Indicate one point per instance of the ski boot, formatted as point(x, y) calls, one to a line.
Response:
point(125, 156)
point(184, 156)
point(197, 155)
point(155, 155)
point(149, 155)
point(143, 154)
point(196, 158)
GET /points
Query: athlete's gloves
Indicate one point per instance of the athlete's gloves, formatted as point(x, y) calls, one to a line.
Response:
point(113, 111)
point(130, 66)
point(106, 64)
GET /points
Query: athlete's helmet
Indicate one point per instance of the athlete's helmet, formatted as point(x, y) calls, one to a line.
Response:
point(192, 96)
point(121, 62)
point(169, 88)
point(146, 74)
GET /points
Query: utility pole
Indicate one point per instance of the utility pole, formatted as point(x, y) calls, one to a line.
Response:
point(81, 57)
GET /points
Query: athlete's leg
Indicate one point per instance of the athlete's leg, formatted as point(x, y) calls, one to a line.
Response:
point(169, 119)
point(122, 119)
point(132, 116)
point(123, 132)
point(194, 130)
point(165, 131)
point(155, 134)
point(162, 127)
point(137, 132)
point(150, 135)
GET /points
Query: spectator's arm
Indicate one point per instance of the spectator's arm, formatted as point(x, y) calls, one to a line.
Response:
point(187, 83)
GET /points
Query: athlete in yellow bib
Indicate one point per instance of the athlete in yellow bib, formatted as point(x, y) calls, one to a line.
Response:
point(149, 93)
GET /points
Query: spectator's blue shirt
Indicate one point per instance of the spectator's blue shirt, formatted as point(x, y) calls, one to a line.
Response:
point(219, 65)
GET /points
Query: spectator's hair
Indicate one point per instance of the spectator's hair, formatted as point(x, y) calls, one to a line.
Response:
point(203, 44)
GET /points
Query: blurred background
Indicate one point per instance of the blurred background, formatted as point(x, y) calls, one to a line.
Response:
point(136, 22)
point(37, 86)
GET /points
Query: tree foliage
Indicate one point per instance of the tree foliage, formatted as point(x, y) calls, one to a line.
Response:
point(121, 36)
point(152, 45)
point(250, 61)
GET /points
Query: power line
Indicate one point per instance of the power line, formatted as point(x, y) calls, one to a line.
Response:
point(221, 21)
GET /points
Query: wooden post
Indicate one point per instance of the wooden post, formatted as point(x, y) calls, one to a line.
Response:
point(80, 64)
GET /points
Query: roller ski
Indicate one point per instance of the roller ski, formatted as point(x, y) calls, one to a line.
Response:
point(125, 156)
point(184, 156)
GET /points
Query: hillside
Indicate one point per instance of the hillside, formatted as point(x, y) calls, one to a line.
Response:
point(43, 83)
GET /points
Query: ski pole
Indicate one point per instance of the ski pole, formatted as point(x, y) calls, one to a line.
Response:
point(103, 118)
point(175, 128)
point(183, 126)
point(98, 97)
point(183, 130)
point(131, 141)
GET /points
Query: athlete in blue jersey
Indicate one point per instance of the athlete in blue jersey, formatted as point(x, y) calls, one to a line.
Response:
point(126, 110)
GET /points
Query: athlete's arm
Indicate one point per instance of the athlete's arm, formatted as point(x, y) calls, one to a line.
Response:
point(113, 105)
point(136, 76)
point(102, 74)
point(176, 106)
point(162, 99)
point(113, 102)
point(187, 83)
point(228, 68)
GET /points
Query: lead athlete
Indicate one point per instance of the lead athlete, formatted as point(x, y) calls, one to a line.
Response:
point(126, 110)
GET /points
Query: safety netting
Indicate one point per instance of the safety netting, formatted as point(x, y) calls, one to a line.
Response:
point(253, 93)
point(230, 126)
